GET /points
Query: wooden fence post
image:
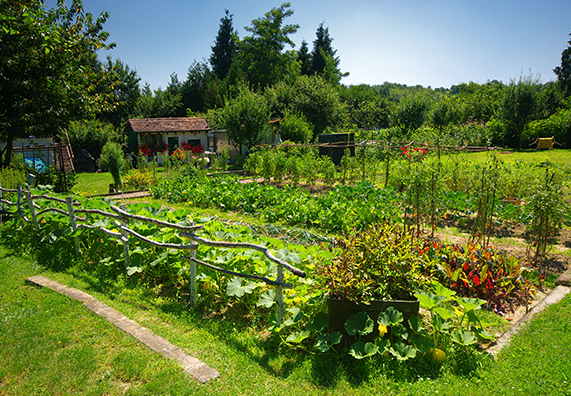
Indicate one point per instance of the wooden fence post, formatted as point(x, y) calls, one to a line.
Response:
point(19, 202)
point(0, 201)
point(32, 210)
point(193, 280)
point(69, 202)
point(124, 223)
point(279, 297)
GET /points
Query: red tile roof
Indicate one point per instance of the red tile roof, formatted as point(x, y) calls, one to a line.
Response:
point(175, 124)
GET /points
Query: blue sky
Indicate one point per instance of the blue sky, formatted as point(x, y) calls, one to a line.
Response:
point(435, 43)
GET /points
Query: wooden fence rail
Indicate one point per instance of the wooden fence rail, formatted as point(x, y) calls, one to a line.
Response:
point(122, 218)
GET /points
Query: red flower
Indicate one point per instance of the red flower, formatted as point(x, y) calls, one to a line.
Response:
point(145, 150)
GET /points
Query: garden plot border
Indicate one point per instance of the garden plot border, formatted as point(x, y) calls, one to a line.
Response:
point(192, 366)
point(562, 288)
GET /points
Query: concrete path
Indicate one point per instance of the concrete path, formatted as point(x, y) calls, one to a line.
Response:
point(124, 195)
point(191, 365)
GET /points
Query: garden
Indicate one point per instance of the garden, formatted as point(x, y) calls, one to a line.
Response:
point(389, 226)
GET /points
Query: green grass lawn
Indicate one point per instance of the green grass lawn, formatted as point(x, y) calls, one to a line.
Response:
point(50, 344)
point(560, 157)
point(92, 183)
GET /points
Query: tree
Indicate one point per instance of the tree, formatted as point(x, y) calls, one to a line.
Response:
point(295, 128)
point(366, 107)
point(518, 107)
point(563, 72)
point(444, 112)
point(261, 55)
point(304, 58)
point(323, 60)
point(200, 91)
point(49, 71)
point(160, 103)
point(224, 49)
point(311, 96)
point(124, 89)
point(245, 118)
point(91, 135)
point(479, 101)
point(410, 113)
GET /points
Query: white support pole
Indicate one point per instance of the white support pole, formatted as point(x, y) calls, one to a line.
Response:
point(69, 202)
point(124, 223)
point(193, 280)
point(32, 210)
point(279, 297)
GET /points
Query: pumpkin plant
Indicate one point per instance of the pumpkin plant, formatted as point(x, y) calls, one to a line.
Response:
point(451, 322)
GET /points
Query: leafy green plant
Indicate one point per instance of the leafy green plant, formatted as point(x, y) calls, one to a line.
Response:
point(486, 198)
point(451, 322)
point(378, 263)
point(112, 159)
point(475, 271)
point(141, 178)
point(223, 160)
point(328, 171)
point(548, 210)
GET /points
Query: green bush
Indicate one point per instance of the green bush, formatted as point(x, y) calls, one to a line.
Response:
point(558, 126)
point(295, 127)
point(112, 159)
point(12, 177)
point(91, 135)
point(378, 263)
point(61, 181)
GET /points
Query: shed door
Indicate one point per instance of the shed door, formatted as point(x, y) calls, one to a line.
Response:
point(172, 141)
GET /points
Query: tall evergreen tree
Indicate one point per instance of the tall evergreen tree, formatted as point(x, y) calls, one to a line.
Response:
point(321, 49)
point(304, 57)
point(195, 88)
point(563, 72)
point(224, 49)
point(323, 59)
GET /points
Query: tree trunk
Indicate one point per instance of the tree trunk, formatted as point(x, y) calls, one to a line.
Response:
point(6, 153)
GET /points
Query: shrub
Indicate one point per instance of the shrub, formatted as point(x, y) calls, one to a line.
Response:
point(61, 181)
point(112, 159)
point(91, 135)
point(295, 127)
point(558, 126)
point(12, 177)
point(139, 179)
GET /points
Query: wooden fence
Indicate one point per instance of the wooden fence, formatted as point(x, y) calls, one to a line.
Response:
point(28, 212)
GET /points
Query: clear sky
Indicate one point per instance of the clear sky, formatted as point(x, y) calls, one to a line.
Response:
point(437, 43)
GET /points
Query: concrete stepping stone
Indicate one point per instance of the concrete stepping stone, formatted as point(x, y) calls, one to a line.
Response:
point(192, 366)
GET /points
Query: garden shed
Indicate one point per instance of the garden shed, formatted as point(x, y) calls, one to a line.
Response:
point(153, 132)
